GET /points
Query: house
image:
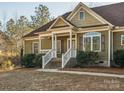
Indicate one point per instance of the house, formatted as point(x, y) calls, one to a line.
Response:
point(98, 29)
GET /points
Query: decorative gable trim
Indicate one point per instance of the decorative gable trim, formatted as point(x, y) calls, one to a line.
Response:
point(90, 11)
point(57, 20)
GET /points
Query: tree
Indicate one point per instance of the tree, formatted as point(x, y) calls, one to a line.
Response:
point(16, 29)
point(42, 16)
point(22, 28)
point(10, 26)
point(0, 26)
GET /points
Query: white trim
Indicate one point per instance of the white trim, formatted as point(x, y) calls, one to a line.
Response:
point(62, 31)
point(33, 46)
point(118, 30)
point(24, 47)
point(109, 47)
point(44, 50)
point(53, 41)
point(70, 39)
point(68, 42)
point(39, 44)
point(92, 30)
point(112, 45)
point(91, 38)
point(57, 20)
point(122, 40)
point(76, 42)
point(31, 38)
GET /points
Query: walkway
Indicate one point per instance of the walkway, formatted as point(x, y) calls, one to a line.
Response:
point(81, 73)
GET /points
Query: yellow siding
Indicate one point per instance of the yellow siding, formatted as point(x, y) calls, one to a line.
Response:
point(28, 46)
point(89, 20)
point(60, 22)
point(46, 43)
point(117, 41)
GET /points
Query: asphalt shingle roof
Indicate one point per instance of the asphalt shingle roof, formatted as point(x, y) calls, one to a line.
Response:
point(113, 13)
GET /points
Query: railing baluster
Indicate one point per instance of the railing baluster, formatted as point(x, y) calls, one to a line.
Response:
point(66, 57)
point(46, 58)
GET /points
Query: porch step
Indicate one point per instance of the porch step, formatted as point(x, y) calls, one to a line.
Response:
point(71, 63)
point(55, 63)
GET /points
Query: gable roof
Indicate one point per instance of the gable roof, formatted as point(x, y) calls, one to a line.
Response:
point(113, 13)
point(46, 26)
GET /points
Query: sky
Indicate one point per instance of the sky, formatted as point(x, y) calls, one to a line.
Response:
point(12, 10)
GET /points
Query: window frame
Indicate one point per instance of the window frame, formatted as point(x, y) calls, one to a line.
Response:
point(91, 38)
point(83, 15)
point(33, 47)
point(122, 39)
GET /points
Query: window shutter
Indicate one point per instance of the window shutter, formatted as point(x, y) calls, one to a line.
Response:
point(103, 42)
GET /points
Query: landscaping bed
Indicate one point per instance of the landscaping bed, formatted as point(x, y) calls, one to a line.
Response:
point(111, 70)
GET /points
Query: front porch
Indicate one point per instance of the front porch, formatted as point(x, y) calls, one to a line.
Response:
point(62, 47)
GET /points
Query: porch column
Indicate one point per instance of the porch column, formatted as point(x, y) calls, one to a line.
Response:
point(55, 45)
point(112, 45)
point(23, 46)
point(53, 41)
point(109, 47)
point(70, 39)
point(75, 41)
point(39, 44)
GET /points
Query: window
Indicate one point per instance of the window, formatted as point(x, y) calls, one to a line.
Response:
point(35, 47)
point(87, 43)
point(81, 15)
point(92, 41)
point(122, 39)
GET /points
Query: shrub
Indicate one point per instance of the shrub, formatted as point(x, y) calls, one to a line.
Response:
point(119, 57)
point(27, 60)
point(93, 57)
point(38, 60)
point(7, 65)
point(85, 58)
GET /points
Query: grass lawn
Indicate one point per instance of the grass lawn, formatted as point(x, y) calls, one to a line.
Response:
point(29, 79)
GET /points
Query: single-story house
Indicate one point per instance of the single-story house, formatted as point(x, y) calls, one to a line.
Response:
point(99, 29)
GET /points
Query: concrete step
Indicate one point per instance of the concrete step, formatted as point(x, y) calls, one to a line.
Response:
point(55, 63)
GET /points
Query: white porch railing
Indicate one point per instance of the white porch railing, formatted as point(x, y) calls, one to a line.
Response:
point(48, 56)
point(71, 53)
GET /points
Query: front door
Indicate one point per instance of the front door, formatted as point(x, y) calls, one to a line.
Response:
point(73, 43)
point(58, 46)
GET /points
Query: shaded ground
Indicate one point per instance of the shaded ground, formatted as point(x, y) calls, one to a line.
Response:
point(119, 71)
point(30, 79)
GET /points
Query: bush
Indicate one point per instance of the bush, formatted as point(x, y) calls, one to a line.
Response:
point(119, 57)
point(27, 60)
point(7, 65)
point(85, 58)
point(38, 60)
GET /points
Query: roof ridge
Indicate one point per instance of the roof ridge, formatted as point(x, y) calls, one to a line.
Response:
point(107, 5)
